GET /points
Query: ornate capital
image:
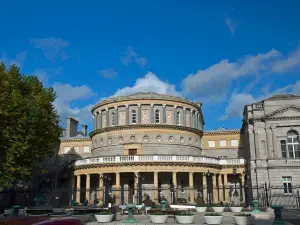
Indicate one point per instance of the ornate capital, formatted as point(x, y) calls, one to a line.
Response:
point(116, 107)
point(175, 106)
point(151, 104)
point(126, 105)
point(106, 109)
point(139, 105)
point(164, 105)
point(273, 127)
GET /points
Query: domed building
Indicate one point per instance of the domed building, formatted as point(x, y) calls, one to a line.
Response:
point(149, 144)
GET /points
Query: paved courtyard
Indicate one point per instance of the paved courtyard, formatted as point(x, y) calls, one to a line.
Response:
point(260, 219)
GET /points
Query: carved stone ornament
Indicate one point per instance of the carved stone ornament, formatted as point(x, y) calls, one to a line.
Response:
point(109, 141)
point(181, 140)
point(171, 139)
point(146, 138)
point(190, 141)
point(132, 138)
point(121, 141)
point(158, 138)
point(101, 142)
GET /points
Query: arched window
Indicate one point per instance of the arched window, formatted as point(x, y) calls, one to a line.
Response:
point(133, 117)
point(293, 144)
point(112, 119)
point(178, 118)
point(157, 116)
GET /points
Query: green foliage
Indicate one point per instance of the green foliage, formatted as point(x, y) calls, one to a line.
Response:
point(29, 125)
point(212, 214)
point(243, 214)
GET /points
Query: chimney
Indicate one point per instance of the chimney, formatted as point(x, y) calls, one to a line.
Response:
point(84, 129)
point(71, 127)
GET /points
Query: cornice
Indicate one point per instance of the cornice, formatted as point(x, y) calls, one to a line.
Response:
point(262, 119)
point(145, 126)
point(76, 140)
point(150, 97)
point(215, 133)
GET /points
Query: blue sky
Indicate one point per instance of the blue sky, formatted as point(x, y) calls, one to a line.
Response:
point(224, 54)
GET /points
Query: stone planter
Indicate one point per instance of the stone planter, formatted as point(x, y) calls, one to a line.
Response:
point(158, 218)
point(236, 209)
point(200, 209)
point(185, 219)
point(243, 220)
point(104, 218)
point(218, 209)
point(213, 219)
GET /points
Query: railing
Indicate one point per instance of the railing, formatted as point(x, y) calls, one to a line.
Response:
point(159, 158)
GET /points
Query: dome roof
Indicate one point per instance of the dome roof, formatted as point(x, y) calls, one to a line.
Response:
point(144, 95)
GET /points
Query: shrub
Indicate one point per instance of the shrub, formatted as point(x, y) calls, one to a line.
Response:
point(243, 214)
point(212, 214)
point(158, 213)
point(185, 213)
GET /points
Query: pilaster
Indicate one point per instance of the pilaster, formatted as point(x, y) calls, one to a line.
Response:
point(99, 120)
point(139, 114)
point(78, 188)
point(277, 153)
point(184, 116)
point(220, 185)
point(175, 114)
point(204, 182)
point(191, 187)
point(164, 114)
point(88, 187)
point(127, 114)
point(269, 142)
point(116, 116)
point(226, 188)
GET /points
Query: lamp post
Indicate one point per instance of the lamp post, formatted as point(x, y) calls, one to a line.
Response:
point(107, 184)
point(209, 187)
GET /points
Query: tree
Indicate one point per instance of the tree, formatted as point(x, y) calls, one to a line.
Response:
point(29, 126)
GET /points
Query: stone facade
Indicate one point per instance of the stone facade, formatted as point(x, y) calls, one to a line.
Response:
point(271, 134)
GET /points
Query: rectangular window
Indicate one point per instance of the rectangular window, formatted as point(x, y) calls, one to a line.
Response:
point(283, 148)
point(291, 152)
point(223, 143)
point(132, 152)
point(76, 149)
point(86, 149)
point(287, 185)
point(66, 149)
point(234, 143)
point(212, 144)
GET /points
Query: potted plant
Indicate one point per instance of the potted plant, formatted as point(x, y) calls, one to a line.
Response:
point(200, 205)
point(218, 207)
point(243, 218)
point(236, 208)
point(185, 217)
point(213, 218)
point(158, 217)
point(104, 216)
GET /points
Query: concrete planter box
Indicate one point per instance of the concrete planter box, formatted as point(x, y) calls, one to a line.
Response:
point(213, 220)
point(243, 220)
point(185, 219)
point(104, 218)
point(218, 209)
point(236, 209)
point(158, 218)
point(200, 209)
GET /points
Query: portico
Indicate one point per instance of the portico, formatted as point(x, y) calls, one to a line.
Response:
point(130, 180)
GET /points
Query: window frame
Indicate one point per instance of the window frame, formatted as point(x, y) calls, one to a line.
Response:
point(65, 152)
point(157, 116)
point(178, 118)
point(237, 143)
point(211, 141)
point(291, 146)
point(133, 116)
point(84, 147)
point(225, 143)
point(283, 148)
point(287, 183)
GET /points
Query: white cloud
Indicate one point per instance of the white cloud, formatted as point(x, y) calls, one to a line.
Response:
point(18, 60)
point(131, 56)
point(149, 83)
point(236, 105)
point(66, 95)
point(108, 73)
point(289, 62)
point(52, 47)
point(232, 25)
point(213, 83)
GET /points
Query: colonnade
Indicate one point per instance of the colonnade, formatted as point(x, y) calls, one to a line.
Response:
point(101, 121)
point(215, 187)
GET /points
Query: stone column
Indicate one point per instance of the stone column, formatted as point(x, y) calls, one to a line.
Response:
point(116, 116)
point(191, 187)
point(269, 142)
point(136, 186)
point(164, 114)
point(174, 179)
point(155, 187)
point(251, 144)
point(256, 138)
point(127, 115)
point(175, 114)
point(151, 113)
point(107, 117)
point(204, 182)
point(242, 183)
point(88, 187)
point(220, 184)
point(100, 194)
point(226, 188)
point(191, 117)
point(95, 121)
point(196, 120)
point(118, 189)
point(73, 185)
point(215, 188)
point(277, 152)
point(99, 120)
point(139, 114)
point(78, 189)
point(183, 117)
